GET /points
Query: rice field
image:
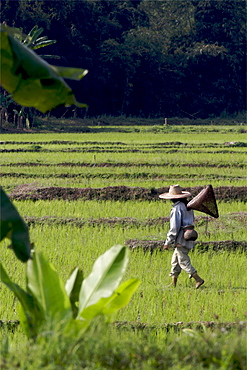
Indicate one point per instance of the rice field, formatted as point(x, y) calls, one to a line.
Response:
point(127, 159)
point(75, 231)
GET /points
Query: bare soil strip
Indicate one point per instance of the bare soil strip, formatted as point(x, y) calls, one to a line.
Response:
point(114, 150)
point(118, 164)
point(123, 221)
point(179, 326)
point(118, 176)
point(117, 193)
point(119, 143)
point(112, 222)
point(157, 245)
point(12, 326)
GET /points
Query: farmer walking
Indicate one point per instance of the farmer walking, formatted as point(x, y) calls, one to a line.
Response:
point(181, 234)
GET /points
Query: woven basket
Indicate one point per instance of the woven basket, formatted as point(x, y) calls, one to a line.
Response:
point(205, 202)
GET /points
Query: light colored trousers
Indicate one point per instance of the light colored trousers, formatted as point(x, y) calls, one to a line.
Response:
point(181, 261)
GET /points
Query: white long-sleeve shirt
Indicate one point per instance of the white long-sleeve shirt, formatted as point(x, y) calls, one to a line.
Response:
point(180, 216)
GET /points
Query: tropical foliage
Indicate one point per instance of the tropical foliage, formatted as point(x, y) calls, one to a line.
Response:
point(33, 39)
point(47, 301)
point(70, 308)
point(147, 58)
point(14, 228)
point(30, 80)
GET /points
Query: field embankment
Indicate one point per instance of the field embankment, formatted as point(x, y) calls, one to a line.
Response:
point(117, 193)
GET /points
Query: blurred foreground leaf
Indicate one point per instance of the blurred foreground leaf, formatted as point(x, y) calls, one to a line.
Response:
point(44, 283)
point(118, 299)
point(47, 301)
point(32, 81)
point(73, 286)
point(31, 314)
point(105, 277)
point(13, 227)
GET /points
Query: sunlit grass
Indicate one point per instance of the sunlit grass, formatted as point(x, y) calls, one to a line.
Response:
point(144, 172)
point(109, 209)
point(162, 156)
point(224, 294)
point(67, 246)
point(10, 183)
point(194, 134)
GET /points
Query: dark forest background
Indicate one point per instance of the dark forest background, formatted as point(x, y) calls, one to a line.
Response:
point(180, 58)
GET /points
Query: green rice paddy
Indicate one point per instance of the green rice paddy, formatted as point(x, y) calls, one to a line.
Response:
point(142, 159)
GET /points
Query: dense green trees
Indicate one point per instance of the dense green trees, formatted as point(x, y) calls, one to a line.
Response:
point(146, 58)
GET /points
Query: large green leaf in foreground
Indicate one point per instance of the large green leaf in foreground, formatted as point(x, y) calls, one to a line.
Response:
point(31, 80)
point(31, 314)
point(47, 301)
point(107, 306)
point(105, 277)
point(44, 283)
point(13, 227)
point(73, 286)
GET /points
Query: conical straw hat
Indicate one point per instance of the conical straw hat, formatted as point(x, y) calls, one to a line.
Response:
point(205, 202)
point(175, 192)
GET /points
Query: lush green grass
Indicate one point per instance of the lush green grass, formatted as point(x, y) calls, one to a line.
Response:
point(188, 134)
point(109, 209)
point(10, 183)
point(126, 173)
point(68, 246)
point(129, 350)
point(94, 209)
point(221, 299)
point(205, 149)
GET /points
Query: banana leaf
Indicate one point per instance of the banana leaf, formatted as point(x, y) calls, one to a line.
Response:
point(32, 81)
point(13, 227)
point(44, 283)
point(72, 287)
point(31, 314)
point(121, 296)
point(107, 306)
point(105, 277)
